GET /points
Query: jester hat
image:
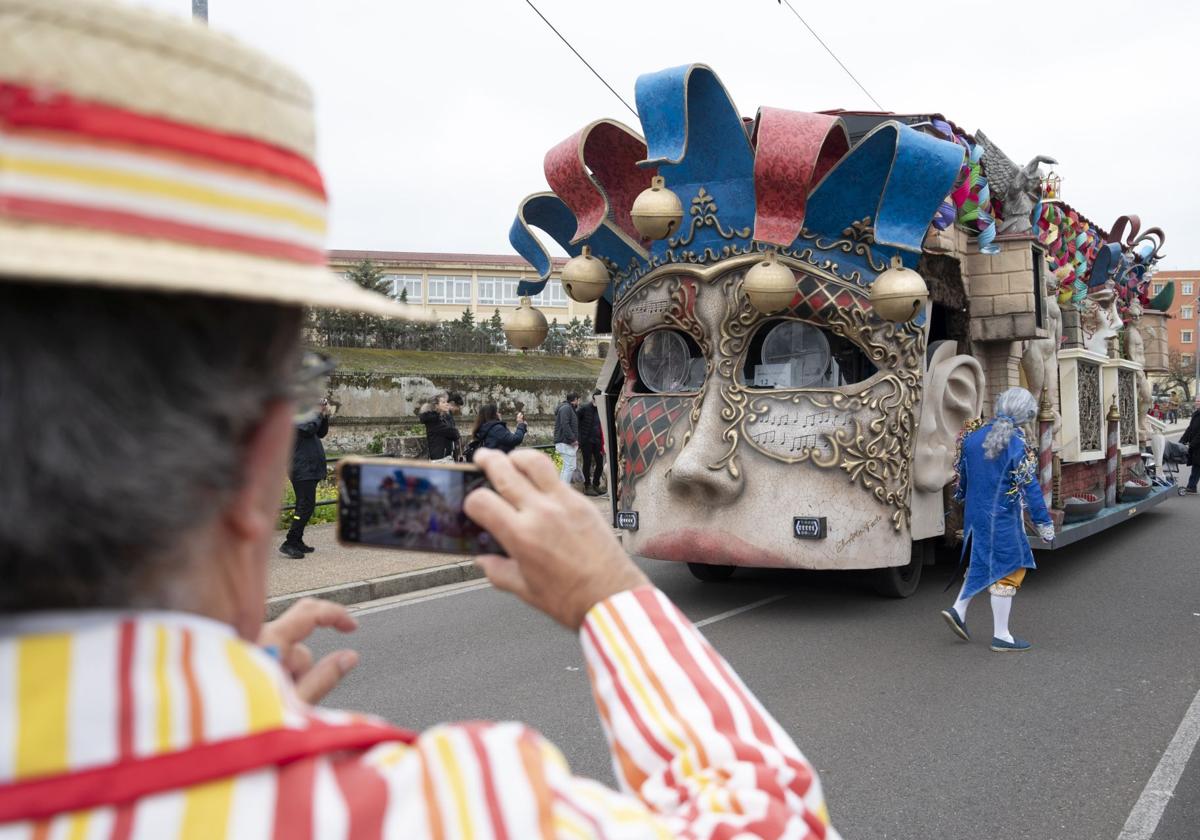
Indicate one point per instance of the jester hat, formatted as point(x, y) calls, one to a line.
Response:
point(788, 180)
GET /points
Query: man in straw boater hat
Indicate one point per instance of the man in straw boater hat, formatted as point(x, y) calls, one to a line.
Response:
point(161, 226)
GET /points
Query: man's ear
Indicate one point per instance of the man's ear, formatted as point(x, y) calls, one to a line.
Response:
point(954, 388)
point(248, 520)
point(265, 457)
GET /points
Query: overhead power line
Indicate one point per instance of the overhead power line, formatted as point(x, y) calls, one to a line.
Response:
point(831, 53)
point(595, 72)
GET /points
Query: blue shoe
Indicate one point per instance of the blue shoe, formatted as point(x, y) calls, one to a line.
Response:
point(1016, 645)
point(956, 624)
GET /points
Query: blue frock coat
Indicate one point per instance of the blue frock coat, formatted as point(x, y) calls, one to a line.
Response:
point(992, 491)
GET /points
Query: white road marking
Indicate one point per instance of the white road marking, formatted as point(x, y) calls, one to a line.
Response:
point(1147, 812)
point(739, 610)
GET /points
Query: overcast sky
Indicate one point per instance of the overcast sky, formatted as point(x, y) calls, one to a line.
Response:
point(433, 117)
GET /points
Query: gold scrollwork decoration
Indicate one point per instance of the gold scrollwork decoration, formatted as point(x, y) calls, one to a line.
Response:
point(704, 214)
point(877, 454)
point(857, 239)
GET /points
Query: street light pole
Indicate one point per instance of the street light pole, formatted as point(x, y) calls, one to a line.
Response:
point(200, 10)
point(1196, 345)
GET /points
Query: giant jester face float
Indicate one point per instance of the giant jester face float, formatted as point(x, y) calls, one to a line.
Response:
point(737, 411)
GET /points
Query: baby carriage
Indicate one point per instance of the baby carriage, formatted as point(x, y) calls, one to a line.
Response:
point(1169, 455)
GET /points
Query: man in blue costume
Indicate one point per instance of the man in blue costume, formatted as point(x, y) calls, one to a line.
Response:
point(996, 470)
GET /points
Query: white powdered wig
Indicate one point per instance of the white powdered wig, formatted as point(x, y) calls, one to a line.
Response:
point(1014, 407)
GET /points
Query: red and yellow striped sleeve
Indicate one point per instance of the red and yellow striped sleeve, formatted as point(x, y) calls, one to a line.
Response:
point(697, 755)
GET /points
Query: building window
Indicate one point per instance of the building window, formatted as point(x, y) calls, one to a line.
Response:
point(1155, 288)
point(448, 288)
point(498, 291)
point(1189, 288)
point(552, 295)
point(1185, 336)
point(410, 284)
point(1186, 313)
point(1185, 359)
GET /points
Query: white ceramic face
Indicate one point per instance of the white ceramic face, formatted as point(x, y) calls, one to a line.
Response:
point(730, 424)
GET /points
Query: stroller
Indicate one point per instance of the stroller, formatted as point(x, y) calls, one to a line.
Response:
point(1168, 455)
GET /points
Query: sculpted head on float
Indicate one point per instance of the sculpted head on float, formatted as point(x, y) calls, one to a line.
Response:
point(752, 389)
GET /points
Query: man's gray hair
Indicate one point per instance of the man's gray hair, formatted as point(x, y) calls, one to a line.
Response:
point(122, 421)
point(1015, 407)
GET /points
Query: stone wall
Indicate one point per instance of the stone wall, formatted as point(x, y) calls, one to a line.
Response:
point(1001, 289)
point(371, 406)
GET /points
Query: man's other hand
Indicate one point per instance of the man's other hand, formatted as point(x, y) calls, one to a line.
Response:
point(285, 636)
point(563, 558)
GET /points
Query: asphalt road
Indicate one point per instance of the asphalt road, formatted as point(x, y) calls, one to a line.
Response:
point(916, 734)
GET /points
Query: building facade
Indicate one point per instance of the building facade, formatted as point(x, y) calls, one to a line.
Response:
point(446, 284)
point(1183, 332)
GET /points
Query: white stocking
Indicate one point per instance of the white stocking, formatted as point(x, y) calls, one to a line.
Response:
point(1001, 606)
point(960, 606)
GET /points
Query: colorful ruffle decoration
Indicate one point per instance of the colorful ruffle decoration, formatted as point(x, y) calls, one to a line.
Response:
point(970, 203)
point(1071, 244)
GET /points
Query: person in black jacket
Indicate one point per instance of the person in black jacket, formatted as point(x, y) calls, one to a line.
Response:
point(492, 432)
point(566, 436)
point(441, 433)
point(1191, 439)
point(591, 445)
point(308, 468)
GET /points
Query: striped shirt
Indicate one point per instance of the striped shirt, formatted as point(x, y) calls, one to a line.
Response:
point(696, 755)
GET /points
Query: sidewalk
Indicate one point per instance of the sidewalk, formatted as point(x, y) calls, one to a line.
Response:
point(353, 575)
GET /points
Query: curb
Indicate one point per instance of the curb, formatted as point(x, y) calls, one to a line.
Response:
point(356, 592)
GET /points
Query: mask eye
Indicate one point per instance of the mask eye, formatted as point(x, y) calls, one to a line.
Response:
point(796, 354)
point(669, 362)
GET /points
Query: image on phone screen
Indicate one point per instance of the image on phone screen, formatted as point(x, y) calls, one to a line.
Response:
point(418, 508)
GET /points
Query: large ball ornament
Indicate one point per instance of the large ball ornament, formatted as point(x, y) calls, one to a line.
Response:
point(899, 293)
point(770, 285)
point(527, 328)
point(656, 211)
point(584, 277)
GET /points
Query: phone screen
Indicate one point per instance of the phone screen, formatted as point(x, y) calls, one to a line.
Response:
point(413, 506)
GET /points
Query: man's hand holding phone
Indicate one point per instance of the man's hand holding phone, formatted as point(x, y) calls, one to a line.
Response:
point(563, 558)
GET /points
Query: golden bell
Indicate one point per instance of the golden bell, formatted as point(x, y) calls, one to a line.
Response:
point(770, 285)
point(656, 211)
point(899, 293)
point(584, 277)
point(527, 327)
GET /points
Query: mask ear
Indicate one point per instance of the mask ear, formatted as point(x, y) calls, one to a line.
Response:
point(954, 387)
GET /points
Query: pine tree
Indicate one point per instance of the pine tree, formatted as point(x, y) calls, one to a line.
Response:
point(364, 327)
point(495, 328)
point(556, 340)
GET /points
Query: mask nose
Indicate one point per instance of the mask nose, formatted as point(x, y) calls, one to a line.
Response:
point(695, 474)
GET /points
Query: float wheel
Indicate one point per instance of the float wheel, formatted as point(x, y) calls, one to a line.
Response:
point(709, 573)
point(903, 581)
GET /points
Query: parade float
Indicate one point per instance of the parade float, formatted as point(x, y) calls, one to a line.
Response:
point(808, 308)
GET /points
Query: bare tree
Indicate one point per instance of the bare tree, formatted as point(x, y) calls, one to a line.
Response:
point(1181, 373)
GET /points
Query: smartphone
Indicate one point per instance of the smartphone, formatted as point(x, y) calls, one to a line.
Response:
point(410, 505)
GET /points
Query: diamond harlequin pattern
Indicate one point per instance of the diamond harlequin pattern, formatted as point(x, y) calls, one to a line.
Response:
point(644, 429)
point(818, 297)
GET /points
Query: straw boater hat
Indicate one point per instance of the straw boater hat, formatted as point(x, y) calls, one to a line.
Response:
point(144, 152)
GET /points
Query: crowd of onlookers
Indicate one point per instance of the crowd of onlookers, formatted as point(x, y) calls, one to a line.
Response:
point(1168, 412)
point(577, 435)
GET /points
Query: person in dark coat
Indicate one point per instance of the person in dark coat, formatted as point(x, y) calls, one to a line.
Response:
point(308, 468)
point(591, 445)
point(492, 432)
point(441, 433)
point(566, 436)
point(1191, 439)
